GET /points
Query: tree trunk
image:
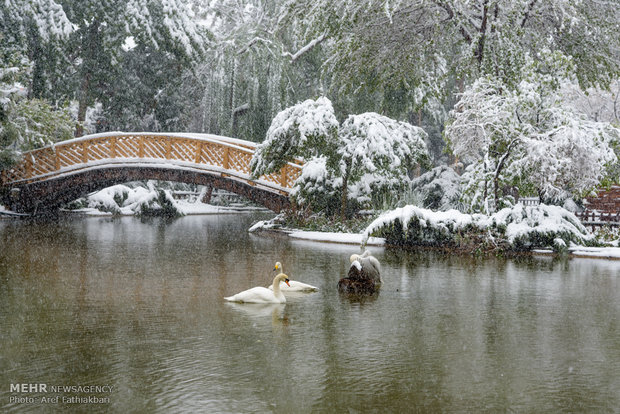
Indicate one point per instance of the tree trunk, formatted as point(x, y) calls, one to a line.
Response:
point(90, 47)
point(231, 96)
point(206, 198)
point(483, 30)
point(344, 195)
point(82, 105)
point(496, 190)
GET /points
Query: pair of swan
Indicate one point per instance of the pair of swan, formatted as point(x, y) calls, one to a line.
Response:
point(293, 285)
point(273, 294)
point(364, 275)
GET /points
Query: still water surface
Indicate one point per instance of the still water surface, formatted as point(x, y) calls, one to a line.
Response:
point(137, 305)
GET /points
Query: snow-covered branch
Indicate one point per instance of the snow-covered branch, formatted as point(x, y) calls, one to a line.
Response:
point(240, 109)
point(252, 43)
point(309, 46)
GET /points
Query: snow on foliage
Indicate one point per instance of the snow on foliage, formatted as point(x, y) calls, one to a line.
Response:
point(376, 154)
point(375, 142)
point(316, 187)
point(569, 159)
point(516, 228)
point(526, 138)
point(47, 16)
point(378, 148)
point(300, 131)
point(121, 199)
point(439, 188)
point(539, 226)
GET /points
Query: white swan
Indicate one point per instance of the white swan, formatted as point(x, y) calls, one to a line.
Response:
point(370, 265)
point(293, 285)
point(261, 294)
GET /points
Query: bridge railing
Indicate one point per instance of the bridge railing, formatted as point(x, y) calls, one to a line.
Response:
point(228, 157)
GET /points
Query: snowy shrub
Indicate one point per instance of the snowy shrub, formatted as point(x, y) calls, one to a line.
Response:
point(304, 130)
point(518, 228)
point(29, 124)
point(415, 226)
point(315, 189)
point(107, 200)
point(376, 153)
point(439, 188)
point(161, 205)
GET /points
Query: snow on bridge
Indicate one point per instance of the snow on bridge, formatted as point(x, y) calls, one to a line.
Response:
point(48, 177)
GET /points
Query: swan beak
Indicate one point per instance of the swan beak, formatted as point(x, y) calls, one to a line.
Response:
point(286, 281)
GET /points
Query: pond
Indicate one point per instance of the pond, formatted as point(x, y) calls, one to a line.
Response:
point(124, 315)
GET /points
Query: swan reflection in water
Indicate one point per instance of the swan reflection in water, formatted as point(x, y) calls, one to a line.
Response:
point(262, 310)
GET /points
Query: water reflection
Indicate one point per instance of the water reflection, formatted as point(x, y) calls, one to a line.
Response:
point(138, 305)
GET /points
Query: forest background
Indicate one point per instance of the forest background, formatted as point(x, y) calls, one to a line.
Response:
point(507, 87)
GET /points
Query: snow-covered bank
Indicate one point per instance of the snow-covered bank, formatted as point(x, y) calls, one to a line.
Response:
point(332, 237)
point(358, 239)
point(598, 252)
point(184, 207)
point(8, 213)
point(611, 253)
point(318, 236)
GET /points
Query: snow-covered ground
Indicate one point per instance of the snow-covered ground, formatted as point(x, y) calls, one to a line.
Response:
point(602, 252)
point(331, 237)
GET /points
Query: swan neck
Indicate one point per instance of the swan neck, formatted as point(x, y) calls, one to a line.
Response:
point(276, 283)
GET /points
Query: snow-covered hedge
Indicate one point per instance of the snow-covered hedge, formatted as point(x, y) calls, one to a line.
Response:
point(516, 228)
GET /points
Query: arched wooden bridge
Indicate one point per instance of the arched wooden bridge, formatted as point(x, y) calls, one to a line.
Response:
point(49, 177)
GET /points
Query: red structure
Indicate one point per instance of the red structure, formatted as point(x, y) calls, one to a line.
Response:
point(603, 208)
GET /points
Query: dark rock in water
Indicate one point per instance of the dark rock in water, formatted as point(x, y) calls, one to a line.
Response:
point(358, 287)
